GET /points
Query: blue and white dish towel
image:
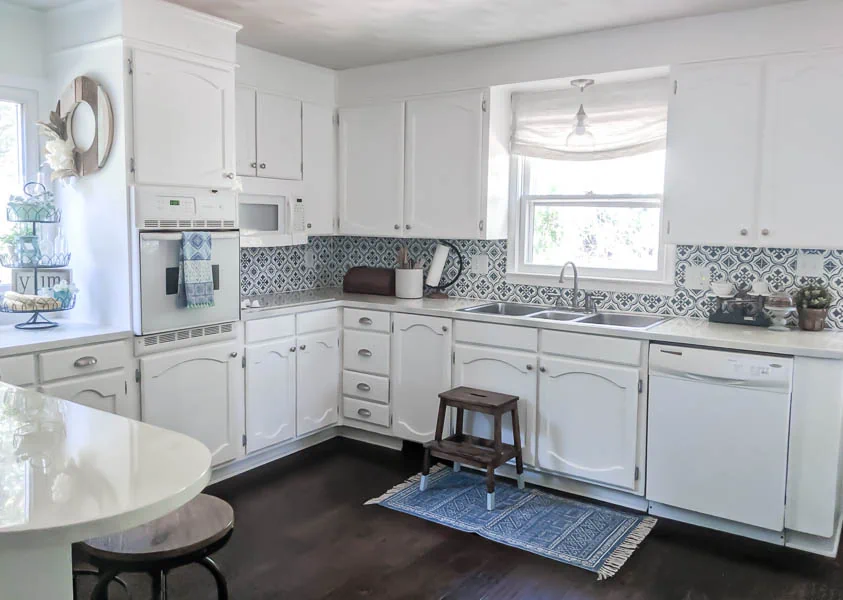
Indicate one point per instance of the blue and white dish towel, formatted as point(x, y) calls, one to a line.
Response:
point(196, 276)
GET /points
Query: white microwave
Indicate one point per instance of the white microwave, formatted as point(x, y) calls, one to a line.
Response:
point(275, 219)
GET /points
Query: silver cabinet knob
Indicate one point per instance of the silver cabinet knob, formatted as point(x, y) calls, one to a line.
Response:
point(529, 367)
point(263, 165)
point(292, 348)
point(228, 175)
point(765, 232)
point(364, 387)
point(543, 369)
point(408, 227)
point(310, 225)
point(303, 347)
point(233, 355)
point(254, 165)
point(364, 412)
point(85, 361)
point(444, 328)
point(364, 352)
point(744, 231)
point(364, 321)
point(397, 226)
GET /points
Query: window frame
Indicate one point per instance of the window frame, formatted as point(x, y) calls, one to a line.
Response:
point(521, 232)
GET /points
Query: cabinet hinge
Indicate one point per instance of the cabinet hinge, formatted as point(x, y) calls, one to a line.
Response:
point(126, 387)
point(453, 357)
point(131, 165)
point(481, 224)
point(243, 440)
point(336, 118)
point(637, 473)
point(392, 327)
point(137, 375)
point(243, 361)
point(668, 227)
point(640, 385)
point(484, 105)
point(131, 67)
point(675, 86)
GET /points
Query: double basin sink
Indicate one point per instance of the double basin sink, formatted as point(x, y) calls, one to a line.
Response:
point(549, 313)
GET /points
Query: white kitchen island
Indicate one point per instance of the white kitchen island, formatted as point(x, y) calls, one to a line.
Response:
point(69, 473)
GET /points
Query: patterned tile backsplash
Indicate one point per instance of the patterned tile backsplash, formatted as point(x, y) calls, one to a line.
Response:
point(324, 261)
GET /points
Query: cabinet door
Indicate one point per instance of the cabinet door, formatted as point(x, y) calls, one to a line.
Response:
point(443, 164)
point(270, 393)
point(319, 169)
point(588, 420)
point(247, 161)
point(507, 372)
point(279, 137)
point(183, 122)
point(108, 392)
point(711, 178)
point(803, 152)
point(317, 381)
point(198, 392)
point(421, 370)
point(371, 170)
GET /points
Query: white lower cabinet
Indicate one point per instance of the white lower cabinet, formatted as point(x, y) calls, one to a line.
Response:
point(507, 372)
point(108, 392)
point(197, 391)
point(588, 420)
point(317, 381)
point(421, 370)
point(270, 393)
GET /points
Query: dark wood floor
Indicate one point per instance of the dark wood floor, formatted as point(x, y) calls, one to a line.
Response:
point(301, 532)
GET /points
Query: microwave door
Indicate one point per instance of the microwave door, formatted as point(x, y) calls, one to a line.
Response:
point(159, 268)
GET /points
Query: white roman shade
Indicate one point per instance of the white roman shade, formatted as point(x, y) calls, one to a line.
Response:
point(626, 118)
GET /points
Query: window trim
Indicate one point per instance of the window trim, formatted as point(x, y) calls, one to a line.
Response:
point(520, 235)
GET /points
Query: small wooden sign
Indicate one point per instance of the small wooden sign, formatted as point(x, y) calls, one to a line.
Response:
point(23, 280)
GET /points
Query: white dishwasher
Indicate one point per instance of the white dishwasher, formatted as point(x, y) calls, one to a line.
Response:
point(718, 427)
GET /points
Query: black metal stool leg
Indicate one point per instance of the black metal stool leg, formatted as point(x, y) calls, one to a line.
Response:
point(222, 585)
point(159, 585)
point(101, 588)
point(95, 573)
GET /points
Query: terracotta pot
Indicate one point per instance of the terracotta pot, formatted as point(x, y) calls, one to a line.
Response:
point(812, 319)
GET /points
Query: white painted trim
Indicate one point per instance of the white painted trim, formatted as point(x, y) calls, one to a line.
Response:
point(709, 522)
point(815, 544)
point(370, 437)
point(31, 144)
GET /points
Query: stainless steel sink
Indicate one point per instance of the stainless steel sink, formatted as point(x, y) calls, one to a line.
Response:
point(509, 309)
point(558, 315)
point(624, 320)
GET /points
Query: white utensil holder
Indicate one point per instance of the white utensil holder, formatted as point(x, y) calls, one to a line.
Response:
point(409, 283)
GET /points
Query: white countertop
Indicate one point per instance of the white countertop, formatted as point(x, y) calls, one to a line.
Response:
point(69, 472)
point(20, 341)
point(679, 330)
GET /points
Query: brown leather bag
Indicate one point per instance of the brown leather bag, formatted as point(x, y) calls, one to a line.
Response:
point(369, 280)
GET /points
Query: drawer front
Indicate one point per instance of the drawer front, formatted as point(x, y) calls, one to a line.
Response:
point(367, 320)
point(592, 347)
point(501, 336)
point(369, 387)
point(369, 412)
point(83, 360)
point(366, 352)
point(18, 370)
point(270, 329)
point(317, 320)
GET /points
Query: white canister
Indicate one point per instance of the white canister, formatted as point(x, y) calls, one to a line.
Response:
point(409, 283)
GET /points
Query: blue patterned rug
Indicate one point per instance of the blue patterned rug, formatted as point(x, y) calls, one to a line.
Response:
point(589, 536)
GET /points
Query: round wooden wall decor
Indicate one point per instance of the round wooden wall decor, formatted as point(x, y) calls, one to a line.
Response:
point(90, 123)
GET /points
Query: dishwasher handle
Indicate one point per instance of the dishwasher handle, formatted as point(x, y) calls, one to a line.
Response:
point(758, 384)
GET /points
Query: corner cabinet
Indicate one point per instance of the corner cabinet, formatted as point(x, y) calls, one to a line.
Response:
point(317, 381)
point(588, 420)
point(371, 170)
point(319, 174)
point(270, 393)
point(183, 122)
point(208, 383)
point(420, 371)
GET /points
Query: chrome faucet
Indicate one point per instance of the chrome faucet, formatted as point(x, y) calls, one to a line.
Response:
point(589, 305)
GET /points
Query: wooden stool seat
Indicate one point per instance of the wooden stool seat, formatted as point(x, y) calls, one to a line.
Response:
point(475, 451)
point(188, 535)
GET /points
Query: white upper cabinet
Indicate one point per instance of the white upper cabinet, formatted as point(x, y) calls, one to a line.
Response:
point(443, 192)
point(278, 137)
point(270, 393)
point(247, 149)
point(320, 173)
point(317, 381)
point(588, 420)
point(183, 115)
point(371, 170)
point(711, 179)
point(420, 371)
point(803, 152)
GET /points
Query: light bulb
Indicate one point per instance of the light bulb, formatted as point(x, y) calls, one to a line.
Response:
point(580, 136)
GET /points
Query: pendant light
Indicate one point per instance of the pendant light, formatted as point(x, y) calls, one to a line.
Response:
point(580, 136)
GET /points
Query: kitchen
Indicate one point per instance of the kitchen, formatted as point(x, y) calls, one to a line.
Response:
point(647, 375)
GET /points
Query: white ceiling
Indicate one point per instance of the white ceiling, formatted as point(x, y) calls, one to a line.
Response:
point(341, 34)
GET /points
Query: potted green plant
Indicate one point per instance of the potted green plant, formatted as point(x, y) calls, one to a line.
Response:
point(812, 302)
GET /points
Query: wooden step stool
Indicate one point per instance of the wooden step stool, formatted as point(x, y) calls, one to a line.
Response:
point(474, 451)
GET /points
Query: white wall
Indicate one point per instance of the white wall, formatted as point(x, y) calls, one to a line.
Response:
point(808, 25)
point(21, 42)
point(285, 76)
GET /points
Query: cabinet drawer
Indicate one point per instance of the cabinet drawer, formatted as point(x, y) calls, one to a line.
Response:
point(370, 387)
point(592, 347)
point(501, 336)
point(317, 320)
point(83, 360)
point(270, 329)
point(371, 320)
point(366, 352)
point(18, 370)
point(369, 412)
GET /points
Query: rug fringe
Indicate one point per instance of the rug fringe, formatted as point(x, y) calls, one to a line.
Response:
point(630, 544)
point(415, 479)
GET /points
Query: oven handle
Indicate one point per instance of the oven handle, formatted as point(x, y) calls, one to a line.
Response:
point(171, 237)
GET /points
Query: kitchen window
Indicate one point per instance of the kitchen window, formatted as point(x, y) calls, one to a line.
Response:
point(598, 203)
